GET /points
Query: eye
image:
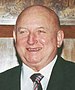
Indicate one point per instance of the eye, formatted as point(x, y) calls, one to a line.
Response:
point(41, 31)
point(23, 32)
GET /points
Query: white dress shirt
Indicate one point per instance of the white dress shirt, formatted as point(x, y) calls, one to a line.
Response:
point(26, 72)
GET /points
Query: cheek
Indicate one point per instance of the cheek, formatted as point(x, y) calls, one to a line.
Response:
point(20, 46)
point(20, 41)
point(49, 42)
point(43, 40)
point(46, 41)
point(50, 46)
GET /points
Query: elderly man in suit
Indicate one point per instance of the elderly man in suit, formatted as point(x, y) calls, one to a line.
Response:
point(37, 39)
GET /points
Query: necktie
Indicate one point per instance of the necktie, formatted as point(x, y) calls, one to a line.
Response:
point(36, 78)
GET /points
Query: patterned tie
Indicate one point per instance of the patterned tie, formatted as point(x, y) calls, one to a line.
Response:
point(36, 78)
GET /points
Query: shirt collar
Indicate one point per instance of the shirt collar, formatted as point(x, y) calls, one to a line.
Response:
point(46, 71)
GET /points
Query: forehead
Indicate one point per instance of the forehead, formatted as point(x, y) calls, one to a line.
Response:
point(33, 22)
point(36, 11)
point(36, 15)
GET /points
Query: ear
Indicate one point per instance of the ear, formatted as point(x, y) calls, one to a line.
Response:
point(60, 38)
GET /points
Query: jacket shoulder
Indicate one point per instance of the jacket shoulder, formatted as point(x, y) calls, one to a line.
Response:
point(9, 71)
point(10, 79)
point(9, 74)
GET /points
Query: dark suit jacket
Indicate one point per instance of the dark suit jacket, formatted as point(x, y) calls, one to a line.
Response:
point(62, 77)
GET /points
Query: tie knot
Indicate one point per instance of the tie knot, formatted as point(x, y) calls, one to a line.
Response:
point(36, 77)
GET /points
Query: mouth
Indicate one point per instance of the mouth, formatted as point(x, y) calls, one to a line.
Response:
point(34, 49)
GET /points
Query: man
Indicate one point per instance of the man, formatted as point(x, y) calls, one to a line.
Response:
point(37, 38)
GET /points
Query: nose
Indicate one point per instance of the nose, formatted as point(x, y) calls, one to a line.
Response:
point(32, 39)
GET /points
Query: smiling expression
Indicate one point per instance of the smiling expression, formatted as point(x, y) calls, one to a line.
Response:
point(36, 37)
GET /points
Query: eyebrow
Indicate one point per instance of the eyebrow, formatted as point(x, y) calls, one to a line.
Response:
point(21, 28)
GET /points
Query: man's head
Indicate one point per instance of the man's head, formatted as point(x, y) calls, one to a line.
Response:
point(38, 35)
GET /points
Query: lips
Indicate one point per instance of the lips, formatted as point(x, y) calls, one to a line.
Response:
point(34, 49)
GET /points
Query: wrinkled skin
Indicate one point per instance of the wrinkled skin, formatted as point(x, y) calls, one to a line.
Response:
point(37, 37)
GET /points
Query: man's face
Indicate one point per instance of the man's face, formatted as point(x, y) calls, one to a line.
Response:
point(36, 40)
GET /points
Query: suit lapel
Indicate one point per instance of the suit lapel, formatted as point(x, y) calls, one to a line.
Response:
point(18, 82)
point(56, 81)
